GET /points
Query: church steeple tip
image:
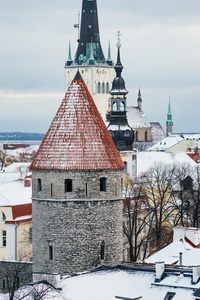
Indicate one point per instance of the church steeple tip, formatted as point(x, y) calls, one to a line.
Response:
point(69, 60)
point(139, 99)
point(109, 60)
point(169, 122)
point(89, 34)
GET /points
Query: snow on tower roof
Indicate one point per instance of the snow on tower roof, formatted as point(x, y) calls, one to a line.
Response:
point(77, 138)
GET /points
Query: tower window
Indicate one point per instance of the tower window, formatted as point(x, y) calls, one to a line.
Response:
point(103, 250)
point(103, 182)
point(107, 88)
point(146, 136)
point(127, 133)
point(136, 136)
point(4, 238)
point(103, 88)
point(17, 282)
point(122, 184)
point(121, 106)
point(51, 189)
point(68, 185)
point(115, 188)
point(115, 106)
point(126, 165)
point(4, 284)
point(30, 235)
point(99, 88)
point(86, 189)
point(50, 252)
point(39, 185)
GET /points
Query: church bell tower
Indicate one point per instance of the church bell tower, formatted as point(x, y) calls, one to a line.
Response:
point(97, 72)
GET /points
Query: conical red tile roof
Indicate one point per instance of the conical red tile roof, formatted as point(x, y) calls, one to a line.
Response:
point(77, 138)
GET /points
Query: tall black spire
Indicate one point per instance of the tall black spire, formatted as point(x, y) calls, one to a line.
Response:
point(89, 34)
point(122, 134)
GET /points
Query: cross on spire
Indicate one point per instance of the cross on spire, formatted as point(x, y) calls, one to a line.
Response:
point(118, 38)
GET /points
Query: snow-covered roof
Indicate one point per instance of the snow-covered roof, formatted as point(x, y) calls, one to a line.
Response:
point(157, 132)
point(136, 118)
point(127, 283)
point(15, 193)
point(145, 160)
point(77, 138)
point(187, 243)
point(166, 143)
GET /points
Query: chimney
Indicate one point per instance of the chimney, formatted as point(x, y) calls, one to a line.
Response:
point(195, 274)
point(160, 268)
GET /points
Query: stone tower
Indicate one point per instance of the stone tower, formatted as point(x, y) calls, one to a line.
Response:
point(169, 122)
point(97, 72)
point(77, 190)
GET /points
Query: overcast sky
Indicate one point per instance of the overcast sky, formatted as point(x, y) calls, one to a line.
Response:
point(160, 53)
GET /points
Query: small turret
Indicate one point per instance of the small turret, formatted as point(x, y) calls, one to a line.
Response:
point(109, 60)
point(139, 100)
point(69, 61)
point(169, 123)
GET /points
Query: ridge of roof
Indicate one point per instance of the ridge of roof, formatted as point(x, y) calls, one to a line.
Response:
point(77, 138)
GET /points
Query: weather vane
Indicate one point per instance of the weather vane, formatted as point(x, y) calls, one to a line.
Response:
point(118, 39)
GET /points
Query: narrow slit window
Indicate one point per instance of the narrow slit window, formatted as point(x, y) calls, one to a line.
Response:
point(39, 185)
point(103, 183)
point(3, 216)
point(50, 252)
point(4, 238)
point(103, 250)
point(17, 282)
point(86, 189)
point(68, 185)
point(4, 284)
point(115, 188)
point(51, 189)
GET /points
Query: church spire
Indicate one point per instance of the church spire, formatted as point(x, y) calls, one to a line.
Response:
point(89, 33)
point(69, 61)
point(123, 137)
point(139, 99)
point(109, 60)
point(169, 123)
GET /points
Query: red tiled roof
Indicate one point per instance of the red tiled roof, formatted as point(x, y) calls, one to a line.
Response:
point(77, 138)
point(22, 210)
point(195, 156)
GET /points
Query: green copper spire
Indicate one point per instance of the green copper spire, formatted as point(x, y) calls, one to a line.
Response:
point(169, 122)
point(91, 59)
point(69, 61)
point(169, 115)
point(109, 60)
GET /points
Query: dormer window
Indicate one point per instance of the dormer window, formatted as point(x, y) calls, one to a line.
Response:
point(127, 133)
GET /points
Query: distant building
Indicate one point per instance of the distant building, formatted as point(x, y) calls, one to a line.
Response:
point(16, 220)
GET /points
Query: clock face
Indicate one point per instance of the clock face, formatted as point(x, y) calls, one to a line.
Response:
point(121, 145)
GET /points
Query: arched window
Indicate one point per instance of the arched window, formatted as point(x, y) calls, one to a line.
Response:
point(103, 182)
point(122, 106)
point(103, 88)
point(115, 106)
point(146, 136)
point(99, 88)
point(136, 136)
point(103, 250)
point(107, 88)
point(39, 185)
point(126, 165)
point(68, 185)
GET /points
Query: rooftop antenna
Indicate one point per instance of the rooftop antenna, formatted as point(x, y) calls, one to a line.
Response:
point(78, 40)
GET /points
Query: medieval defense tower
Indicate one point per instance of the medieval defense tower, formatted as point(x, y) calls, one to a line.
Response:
point(77, 190)
point(97, 72)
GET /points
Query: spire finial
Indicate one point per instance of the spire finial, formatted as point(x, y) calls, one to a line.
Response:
point(69, 60)
point(118, 39)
